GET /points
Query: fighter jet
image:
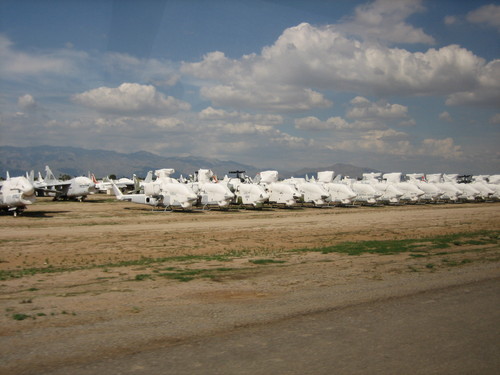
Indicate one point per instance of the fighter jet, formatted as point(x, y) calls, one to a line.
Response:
point(76, 188)
point(15, 194)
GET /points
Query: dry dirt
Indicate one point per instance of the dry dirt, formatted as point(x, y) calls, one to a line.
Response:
point(115, 285)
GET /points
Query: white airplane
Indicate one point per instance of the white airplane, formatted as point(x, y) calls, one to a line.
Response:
point(15, 194)
point(365, 193)
point(491, 182)
point(137, 198)
point(76, 188)
point(448, 189)
point(410, 191)
point(338, 193)
point(105, 185)
point(210, 191)
point(467, 191)
point(279, 193)
point(310, 192)
point(389, 192)
point(245, 191)
point(431, 192)
point(164, 191)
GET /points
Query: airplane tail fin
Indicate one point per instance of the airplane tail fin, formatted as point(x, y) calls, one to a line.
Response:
point(94, 180)
point(149, 177)
point(31, 176)
point(137, 184)
point(116, 191)
point(49, 176)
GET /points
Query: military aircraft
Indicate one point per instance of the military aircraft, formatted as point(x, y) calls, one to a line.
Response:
point(165, 191)
point(432, 193)
point(137, 198)
point(105, 185)
point(309, 191)
point(389, 192)
point(449, 190)
point(76, 188)
point(15, 194)
point(209, 190)
point(365, 193)
point(279, 193)
point(246, 192)
point(338, 193)
point(411, 193)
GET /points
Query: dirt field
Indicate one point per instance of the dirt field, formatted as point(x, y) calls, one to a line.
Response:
point(82, 281)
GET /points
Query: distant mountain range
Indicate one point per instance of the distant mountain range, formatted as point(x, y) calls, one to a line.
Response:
point(77, 162)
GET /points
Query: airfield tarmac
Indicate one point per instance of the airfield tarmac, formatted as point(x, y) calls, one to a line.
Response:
point(88, 282)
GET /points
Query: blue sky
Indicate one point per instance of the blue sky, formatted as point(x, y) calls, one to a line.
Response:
point(409, 85)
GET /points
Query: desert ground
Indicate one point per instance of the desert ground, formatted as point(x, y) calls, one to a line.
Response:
point(82, 282)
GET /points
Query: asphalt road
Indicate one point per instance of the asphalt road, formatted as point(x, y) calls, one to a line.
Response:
point(455, 330)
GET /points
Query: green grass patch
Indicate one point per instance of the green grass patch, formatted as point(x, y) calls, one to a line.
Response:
point(416, 245)
point(19, 316)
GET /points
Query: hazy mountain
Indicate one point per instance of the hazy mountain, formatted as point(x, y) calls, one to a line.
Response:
point(77, 162)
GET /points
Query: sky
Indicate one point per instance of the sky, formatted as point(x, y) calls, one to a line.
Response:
point(394, 85)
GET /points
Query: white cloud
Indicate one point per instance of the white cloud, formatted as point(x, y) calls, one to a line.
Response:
point(486, 91)
point(487, 14)
point(392, 142)
point(305, 59)
point(15, 63)
point(130, 97)
point(444, 148)
point(26, 102)
point(314, 123)
point(213, 114)
point(450, 20)
point(445, 116)
point(362, 108)
point(384, 20)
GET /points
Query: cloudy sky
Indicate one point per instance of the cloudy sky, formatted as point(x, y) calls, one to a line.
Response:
point(396, 85)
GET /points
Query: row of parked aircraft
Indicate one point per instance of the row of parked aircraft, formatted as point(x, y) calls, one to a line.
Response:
point(203, 189)
point(374, 188)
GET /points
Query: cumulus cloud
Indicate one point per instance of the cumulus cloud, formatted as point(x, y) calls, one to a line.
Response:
point(362, 108)
point(366, 115)
point(444, 148)
point(213, 114)
point(384, 20)
point(130, 97)
point(445, 116)
point(15, 63)
point(450, 20)
point(26, 102)
point(486, 91)
point(236, 122)
point(486, 15)
point(314, 123)
point(306, 60)
point(392, 142)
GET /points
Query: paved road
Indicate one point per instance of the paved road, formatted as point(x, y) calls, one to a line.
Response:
point(447, 331)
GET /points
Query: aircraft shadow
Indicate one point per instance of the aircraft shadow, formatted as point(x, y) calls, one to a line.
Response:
point(42, 213)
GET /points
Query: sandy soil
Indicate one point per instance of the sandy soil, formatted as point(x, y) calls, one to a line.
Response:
point(82, 281)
